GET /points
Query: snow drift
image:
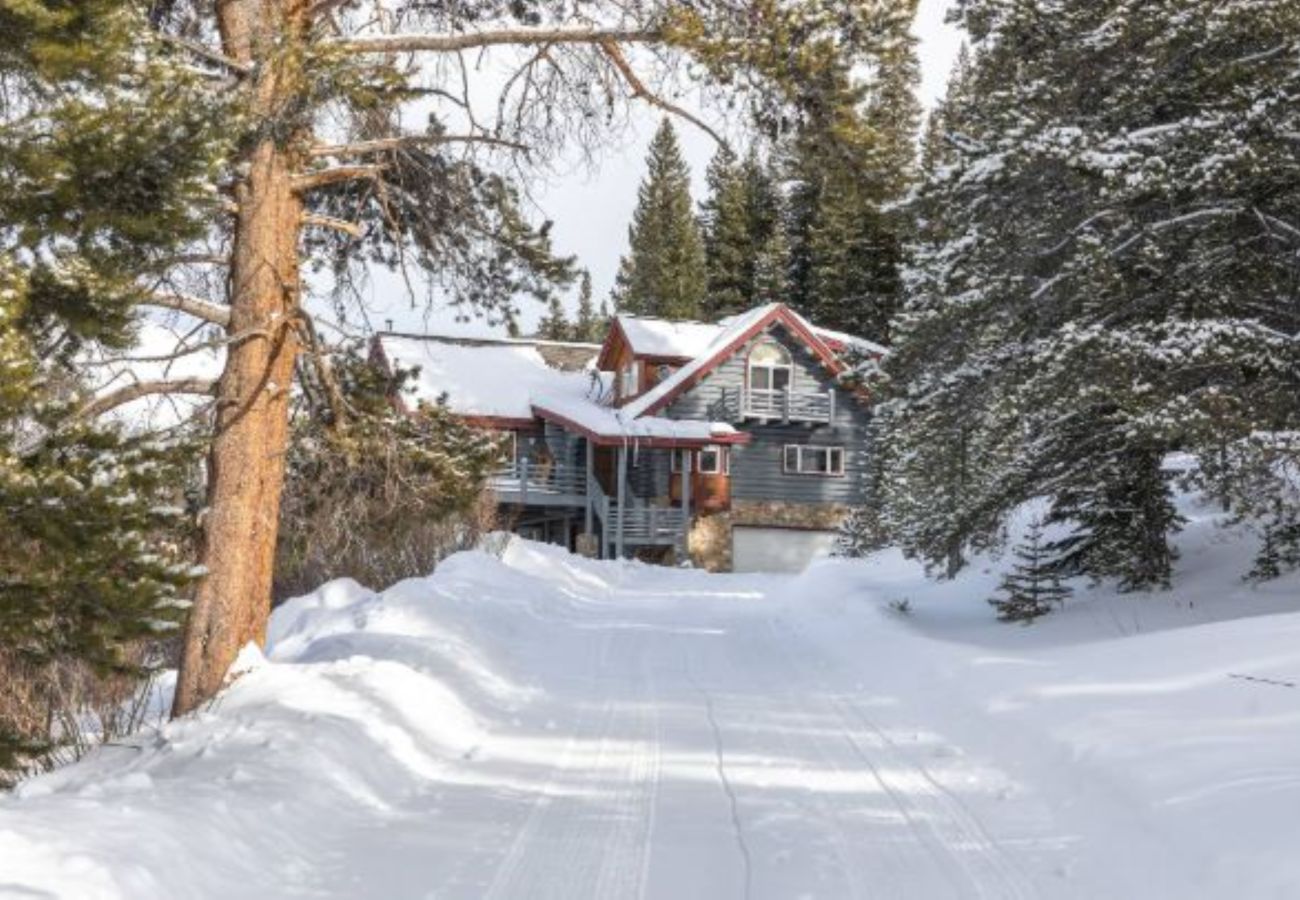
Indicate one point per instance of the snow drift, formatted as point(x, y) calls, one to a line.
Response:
point(536, 725)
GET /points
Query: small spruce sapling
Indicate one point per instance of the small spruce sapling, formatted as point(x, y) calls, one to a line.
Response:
point(1032, 588)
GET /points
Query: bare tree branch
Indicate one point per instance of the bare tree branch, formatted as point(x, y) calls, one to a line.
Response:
point(206, 53)
point(330, 222)
point(450, 43)
point(311, 180)
point(361, 148)
point(640, 91)
point(124, 395)
point(216, 313)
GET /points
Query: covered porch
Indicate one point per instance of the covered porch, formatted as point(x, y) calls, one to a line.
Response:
point(645, 479)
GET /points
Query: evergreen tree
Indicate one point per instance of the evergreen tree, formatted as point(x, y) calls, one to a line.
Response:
point(554, 326)
point(663, 273)
point(845, 242)
point(772, 269)
point(381, 495)
point(106, 154)
point(589, 326)
point(1032, 587)
point(742, 222)
point(1100, 278)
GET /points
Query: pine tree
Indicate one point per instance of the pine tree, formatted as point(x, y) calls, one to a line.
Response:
point(845, 242)
point(741, 220)
point(1088, 292)
point(383, 497)
point(107, 149)
point(554, 326)
point(663, 273)
point(589, 326)
point(1032, 587)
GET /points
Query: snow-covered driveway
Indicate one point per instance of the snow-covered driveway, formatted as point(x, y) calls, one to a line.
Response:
point(545, 727)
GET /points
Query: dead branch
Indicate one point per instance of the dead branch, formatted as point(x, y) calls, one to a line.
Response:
point(183, 350)
point(450, 43)
point(216, 313)
point(124, 395)
point(348, 228)
point(311, 180)
point(206, 53)
point(640, 91)
point(361, 148)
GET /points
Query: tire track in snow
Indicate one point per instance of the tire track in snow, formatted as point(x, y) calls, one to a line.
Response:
point(738, 830)
point(946, 824)
point(588, 835)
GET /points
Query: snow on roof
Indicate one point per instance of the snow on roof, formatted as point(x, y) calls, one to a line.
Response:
point(608, 422)
point(494, 379)
point(662, 337)
point(845, 339)
point(732, 328)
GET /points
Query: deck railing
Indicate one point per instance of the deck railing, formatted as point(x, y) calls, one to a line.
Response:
point(781, 404)
point(642, 523)
point(527, 481)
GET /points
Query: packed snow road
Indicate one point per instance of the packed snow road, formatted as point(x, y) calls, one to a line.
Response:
point(539, 726)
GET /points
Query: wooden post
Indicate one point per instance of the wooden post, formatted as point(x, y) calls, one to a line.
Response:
point(686, 504)
point(523, 480)
point(622, 499)
point(591, 451)
point(831, 414)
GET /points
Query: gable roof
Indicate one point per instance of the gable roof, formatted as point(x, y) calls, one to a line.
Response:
point(485, 379)
point(735, 334)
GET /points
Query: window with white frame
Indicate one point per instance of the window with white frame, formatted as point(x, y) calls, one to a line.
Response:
point(628, 382)
point(711, 460)
point(770, 367)
point(804, 459)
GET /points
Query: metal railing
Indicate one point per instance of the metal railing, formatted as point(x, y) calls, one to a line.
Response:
point(527, 481)
point(783, 404)
point(642, 523)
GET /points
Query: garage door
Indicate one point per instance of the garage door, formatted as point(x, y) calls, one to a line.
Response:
point(777, 549)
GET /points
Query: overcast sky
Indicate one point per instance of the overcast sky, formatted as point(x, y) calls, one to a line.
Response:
point(591, 209)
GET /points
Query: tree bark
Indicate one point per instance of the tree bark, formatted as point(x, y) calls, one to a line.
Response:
point(246, 460)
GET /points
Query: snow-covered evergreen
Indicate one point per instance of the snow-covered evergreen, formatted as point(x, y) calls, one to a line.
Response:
point(1104, 274)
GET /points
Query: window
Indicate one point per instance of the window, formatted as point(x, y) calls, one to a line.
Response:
point(770, 367)
point(628, 381)
point(713, 460)
point(801, 459)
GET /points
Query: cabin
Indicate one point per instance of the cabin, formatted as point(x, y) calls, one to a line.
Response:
point(736, 445)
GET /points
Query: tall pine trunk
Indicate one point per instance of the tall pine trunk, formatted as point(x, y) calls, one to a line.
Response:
point(246, 461)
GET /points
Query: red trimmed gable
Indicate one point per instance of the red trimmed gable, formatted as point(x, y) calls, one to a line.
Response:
point(781, 314)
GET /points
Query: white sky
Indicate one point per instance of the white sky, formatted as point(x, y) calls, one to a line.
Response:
point(591, 210)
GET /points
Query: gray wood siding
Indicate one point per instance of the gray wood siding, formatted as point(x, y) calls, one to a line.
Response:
point(757, 470)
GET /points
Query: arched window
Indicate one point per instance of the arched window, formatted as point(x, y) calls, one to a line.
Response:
point(770, 367)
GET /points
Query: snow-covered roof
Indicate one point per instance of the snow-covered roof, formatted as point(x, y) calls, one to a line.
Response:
point(731, 329)
point(482, 378)
point(662, 337)
point(844, 339)
point(609, 422)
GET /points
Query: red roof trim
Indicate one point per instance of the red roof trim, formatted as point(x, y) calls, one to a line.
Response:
point(780, 314)
point(600, 440)
point(607, 348)
point(501, 423)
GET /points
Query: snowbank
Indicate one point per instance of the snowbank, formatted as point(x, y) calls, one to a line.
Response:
point(537, 725)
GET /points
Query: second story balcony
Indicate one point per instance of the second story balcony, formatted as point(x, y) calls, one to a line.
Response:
point(779, 405)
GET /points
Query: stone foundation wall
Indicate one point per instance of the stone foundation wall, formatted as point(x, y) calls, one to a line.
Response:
point(710, 537)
